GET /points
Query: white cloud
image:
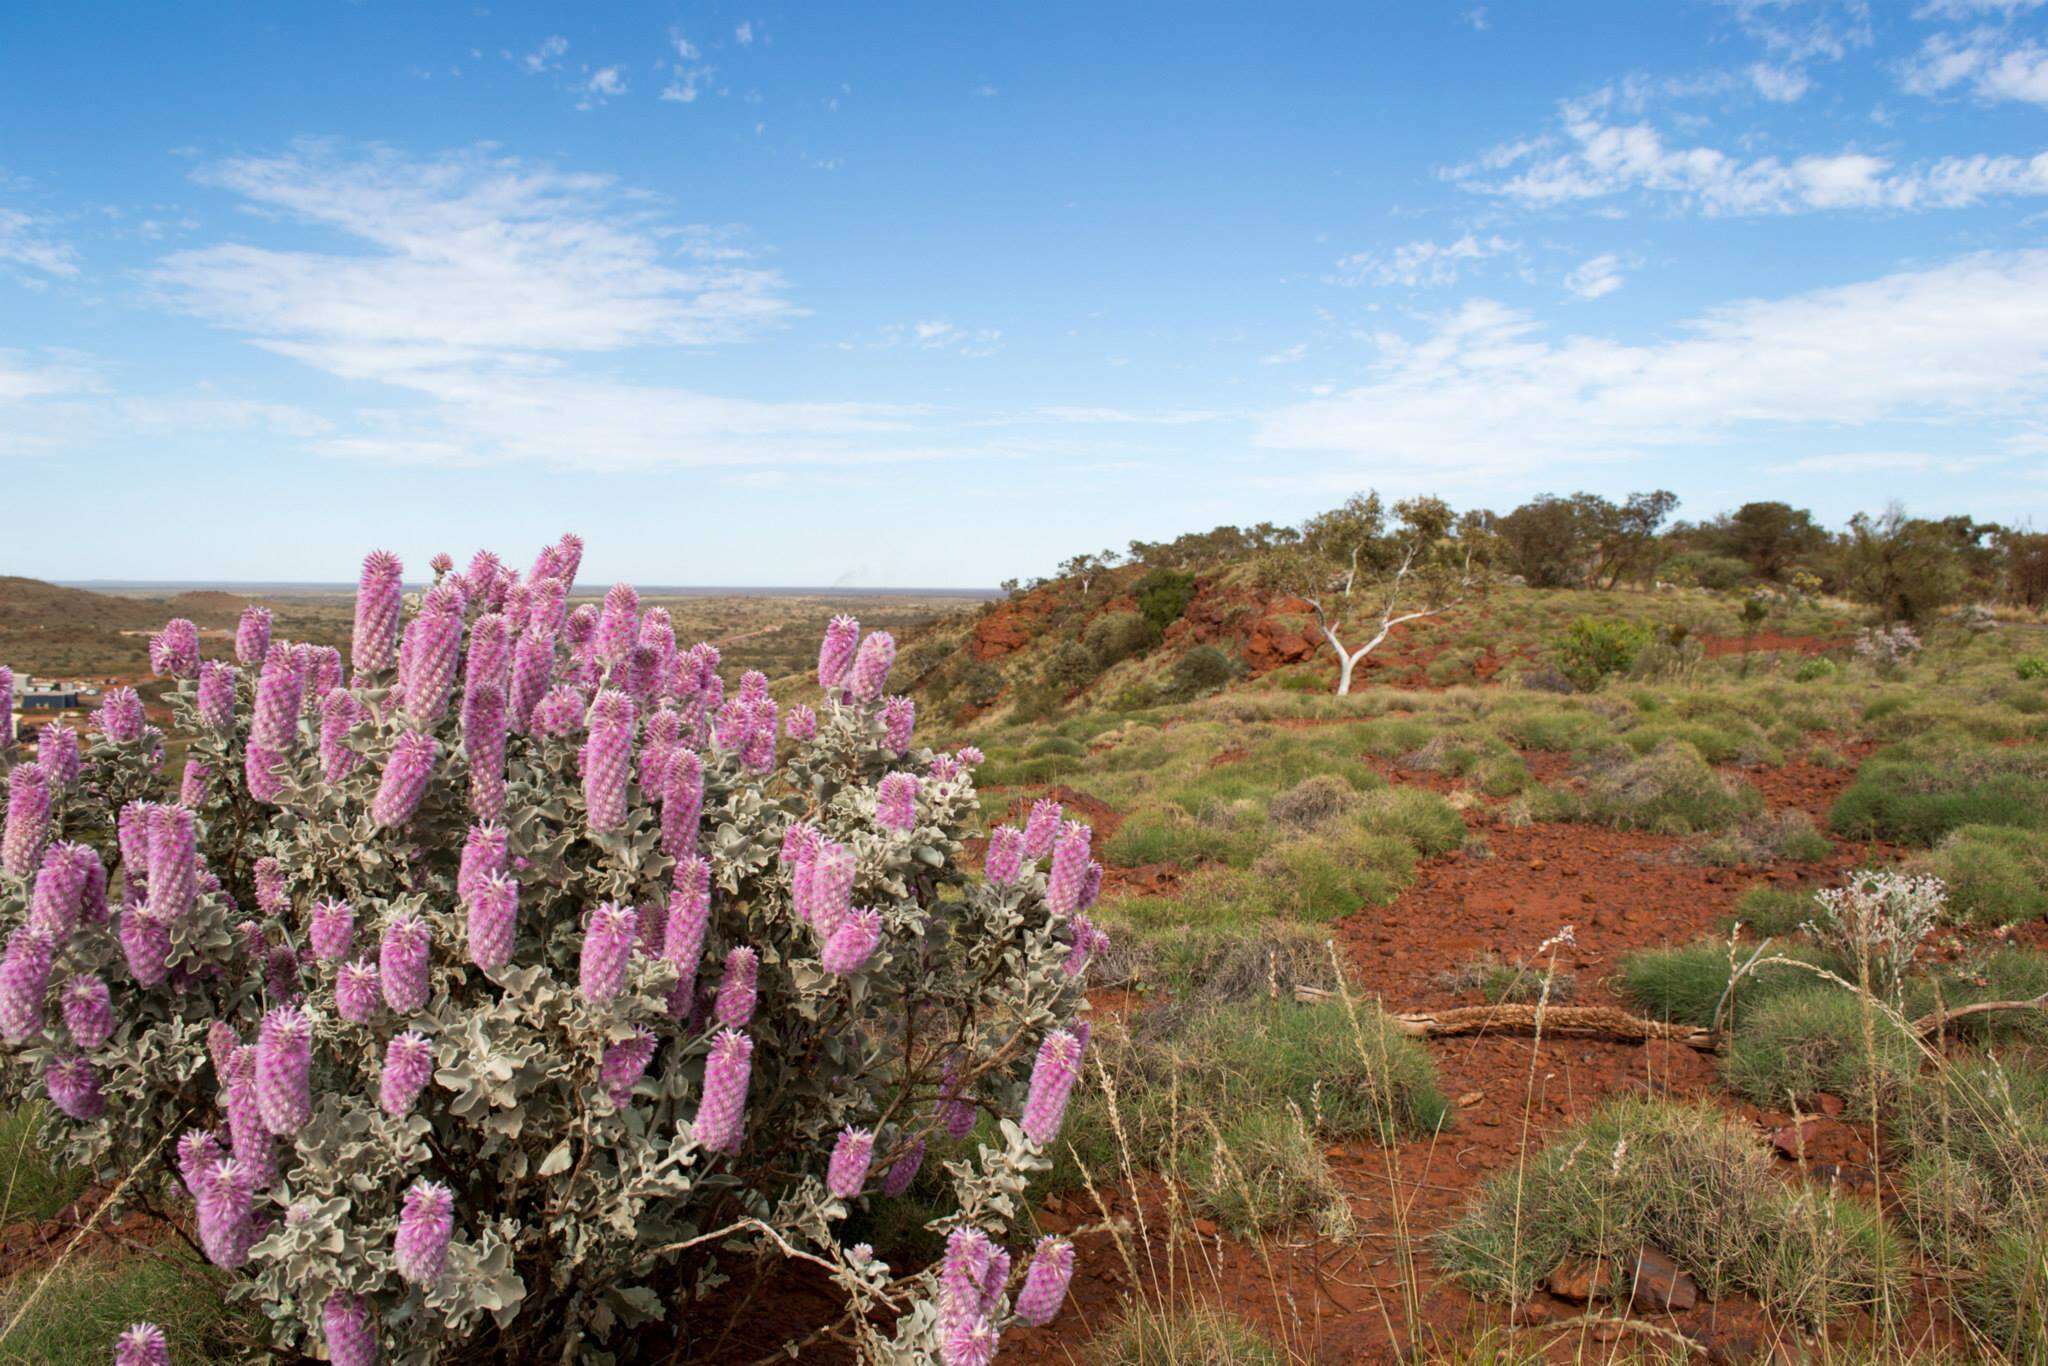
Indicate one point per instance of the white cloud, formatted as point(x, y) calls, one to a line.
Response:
point(1420, 264)
point(686, 84)
point(607, 81)
point(1488, 390)
point(936, 334)
point(1779, 84)
point(1990, 65)
point(1970, 9)
point(744, 34)
point(1804, 30)
point(23, 379)
point(547, 56)
point(1286, 355)
point(24, 244)
point(1476, 17)
point(1596, 277)
point(1604, 159)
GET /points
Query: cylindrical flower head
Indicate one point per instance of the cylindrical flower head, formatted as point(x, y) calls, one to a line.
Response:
point(88, 1012)
point(142, 1344)
point(250, 1139)
point(569, 557)
point(193, 784)
point(490, 653)
point(607, 951)
point(559, 713)
point(380, 602)
point(404, 963)
point(350, 1331)
point(871, 665)
point(579, 630)
point(408, 1067)
point(340, 713)
point(847, 1173)
point(28, 820)
point(963, 1274)
point(853, 943)
point(483, 741)
point(146, 944)
point(6, 706)
point(273, 893)
point(758, 752)
point(284, 1070)
point(1052, 1080)
point(683, 937)
point(493, 922)
point(1091, 886)
point(896, 802)
point(425, 1224)
point(279, 693)
point(198, 1149)
point(737, 988)
point(119, 716)
point(533, 659)
point(57, 755)
point(1088, 941)
point(1045, 1281)
point(801, 723)
point(173, 861)
point(550, 604)
point(1069, 875)
point(835, 652)
point(722, 1110)
point(433, 643)
point(261, 769)
point(92, 903)
point(832, 873)
point(225, 1206)
point(174, 651)
point(618, 627)
point(405, 778)
point(221, 1044)
point(484, 854)
point(252, 635)
point(332, 930)
point(623, 1065)
point(608, 761)
point(132, 831)
point(74, 1088)
point(903, 1170)
point(899, 722)
point(956, 1111)
point(326, 673)
point(682, 804)
point(1005, 855)
point(59, 894)
point(1042, 829)
point(356, 991)
point(215, 696)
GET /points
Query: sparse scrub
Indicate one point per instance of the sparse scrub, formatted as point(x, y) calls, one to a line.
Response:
point(1995, 875)
point(1919, 791)
point(1178, 1335)
point(1670, 790)
point(1808, 1041)
point(1766, 837)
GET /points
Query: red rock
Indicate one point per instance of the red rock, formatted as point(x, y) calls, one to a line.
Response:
point(1580, 1279)
point(1659, 1284)
point(1819, 1139)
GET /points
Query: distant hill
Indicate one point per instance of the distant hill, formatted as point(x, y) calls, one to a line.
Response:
point(33, 604)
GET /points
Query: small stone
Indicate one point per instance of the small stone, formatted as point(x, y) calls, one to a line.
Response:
point(1580, 1279)
point(1659, 1283)
point(1470, 1099)
point(1206, 1227)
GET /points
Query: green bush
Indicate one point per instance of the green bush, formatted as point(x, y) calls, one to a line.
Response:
point(981, 684)
point(1116, 636)
point(1917, 792)
point(1684, 983)
point(1799, 1044)
point(1595, 648)
point(1163, 595)
point(1070, 667)
point(1996, 875)
point(1201, 670)
point(2031, 667)
point(1670, 790)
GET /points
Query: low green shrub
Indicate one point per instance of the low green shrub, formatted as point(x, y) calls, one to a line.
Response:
point(1996, 875)
point(1670, 790)
point(1917, 792)
point(1595, 649)
point(1799, 1044)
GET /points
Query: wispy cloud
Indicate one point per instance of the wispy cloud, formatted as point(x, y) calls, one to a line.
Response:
point(1596, 278)
point(25, 245)
point(1805, 30)
point(744, 34)
point(545, 57)
point(1487, 389)
point(1988, 64)
point(1779, 84)
point(1420, 264)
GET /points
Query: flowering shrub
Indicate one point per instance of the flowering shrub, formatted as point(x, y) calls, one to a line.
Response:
point(514, 988)
point(1879, 917)
point(1888, 649)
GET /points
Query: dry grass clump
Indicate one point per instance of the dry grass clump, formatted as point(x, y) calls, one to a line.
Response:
point(1671, 790)
point(1149, 1334)
point(1312, 804)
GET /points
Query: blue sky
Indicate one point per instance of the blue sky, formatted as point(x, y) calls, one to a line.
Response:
point(936, 294)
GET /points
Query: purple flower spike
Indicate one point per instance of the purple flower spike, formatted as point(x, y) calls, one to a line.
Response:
point(379, 606)
point(831, 886)
point(146, 943)
point(432, 643)
point(1052, 1080)
point(225, 1206)
point(284, 1070)
point(59, 895)
point(215, 697)
point(1069, 875)
point(607, 951)
point(356, 991)
point(332, 930)
point(618, 627)
point(608, 760)
point(404, 961)
point(405, 778)
point(273, 895)
point(88, 1012)
point(493, 922)
point(279, 693)
point(872, 664)
point(252, 635)
point(899, 722)
point(490, 653)
point(853, 943)
point(340, 714)
point(1088, 941)
point(835, 653)
point(408, 1067)
point(904, 1170)
point(198, 1149)
point(1091, 886)
point(119, 716)
point(484, 855)
point(173, 862)
point(350, 1331)
point(847, 1173)
point(192, 787)
point(58, 757)
point(624, 1064)
point(1042, 829)
point(484, 726)
point(1005, 855)
point(74, 1088)
point(533, 659)
point(142, 1344)
point(28, 820)
point(689, 913)
point(174, 651)
point(801, 723)
point(896, 802)
point(1045, 1281)
point(737, 989)
point(250, 1140)
point(425, 1223)
point(722, 1110)
point(559, 713)
point(956, 1112)
point(682, 804)
point(968, 1342)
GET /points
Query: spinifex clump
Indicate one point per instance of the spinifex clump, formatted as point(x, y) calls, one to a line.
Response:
point(500, 996)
